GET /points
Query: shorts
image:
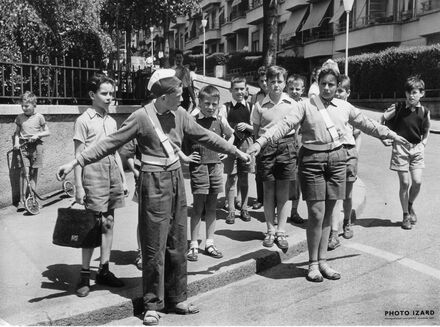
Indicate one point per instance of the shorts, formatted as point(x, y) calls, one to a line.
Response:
point(33, 154)
point(233, 166)
point(278, 161)
point(407, 157)
point(323, 174)
point(102, 184)
point(206, 178)
point(352, 163)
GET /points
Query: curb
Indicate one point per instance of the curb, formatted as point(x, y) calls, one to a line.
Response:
point(263, 259)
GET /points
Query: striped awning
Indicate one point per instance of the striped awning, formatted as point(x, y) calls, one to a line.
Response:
point(293, 23)
point(337, 14)
point(317, 12)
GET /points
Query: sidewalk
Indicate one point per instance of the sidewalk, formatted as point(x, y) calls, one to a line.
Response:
point(37, 278)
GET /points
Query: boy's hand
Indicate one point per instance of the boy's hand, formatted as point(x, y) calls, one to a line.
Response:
point(136, 174)
point(400, 140)
point(79, 195)
point(243, 126)
point(16, 146)
point(64, 170)
point(387, 142)
point(254, 149)
point(222, 156)
point(243, 156)
point(33, 138)
point(193, 157)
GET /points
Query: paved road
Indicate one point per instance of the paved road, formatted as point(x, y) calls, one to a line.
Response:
point(389, 275)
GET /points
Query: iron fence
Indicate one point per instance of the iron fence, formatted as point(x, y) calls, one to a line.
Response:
point(63, 81)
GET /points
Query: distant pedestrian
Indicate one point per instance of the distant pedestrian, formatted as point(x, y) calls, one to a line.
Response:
point(238, 114)
point(314, 87)
point(411, 120)
point(206, 173)
point(99, 186)
point(184, 75)
point(159, 128)
point(322, 161)
point(30, 128)
point(351, 143)
point(276, 161)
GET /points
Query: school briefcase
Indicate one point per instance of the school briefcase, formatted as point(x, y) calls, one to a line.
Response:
point(77, 228)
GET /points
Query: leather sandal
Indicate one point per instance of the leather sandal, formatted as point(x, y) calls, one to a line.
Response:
point(314, 275)
point(212, 251)
point(183, 308)
point(328, 272)
point(151, 318)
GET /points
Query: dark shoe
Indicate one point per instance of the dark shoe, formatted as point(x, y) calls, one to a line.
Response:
point(269, 240)
point(348, 231)
point(237, 204)
point(151, 318)
point(281, 242)
point(212, 251)
point(230, 219)
point(328, 272)
point(20, 206)
point(244, 215)
point(257, 205)
point(183, 308)
point(412, 217)
point(109, 279)
point(406, 222)
point(192, 254)
point(296, 219)
point(333, 241)
point(83, 286)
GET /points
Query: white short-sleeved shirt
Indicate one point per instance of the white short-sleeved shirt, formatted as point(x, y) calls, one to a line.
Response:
point(91, 127)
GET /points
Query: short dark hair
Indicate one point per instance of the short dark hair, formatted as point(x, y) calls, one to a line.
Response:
point(344, 82)
point(275, 71)
point(178, 52)
point(329, 71)
point(238, 79)
point(209, 91)
point(261, 71)
point(192, 66)
point(414, 83)
point(97, 80)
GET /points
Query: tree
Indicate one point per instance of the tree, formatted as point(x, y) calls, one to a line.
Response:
point(270, 29)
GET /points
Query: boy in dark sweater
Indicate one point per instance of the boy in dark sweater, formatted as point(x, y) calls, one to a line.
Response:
point(412, 121)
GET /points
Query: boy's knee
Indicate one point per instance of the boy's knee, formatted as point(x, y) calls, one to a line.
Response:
point(107, 223)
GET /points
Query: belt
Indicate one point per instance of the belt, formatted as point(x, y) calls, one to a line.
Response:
point(348, 146)
point(158, 161)
point(323, 147)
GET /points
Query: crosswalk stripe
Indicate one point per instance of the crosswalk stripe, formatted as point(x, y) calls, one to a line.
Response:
point(420, 267)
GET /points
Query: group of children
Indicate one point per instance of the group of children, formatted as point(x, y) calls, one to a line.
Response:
point(239, 121)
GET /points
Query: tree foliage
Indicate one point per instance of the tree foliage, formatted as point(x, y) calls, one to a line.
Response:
point(270, 29)
point(52, 28)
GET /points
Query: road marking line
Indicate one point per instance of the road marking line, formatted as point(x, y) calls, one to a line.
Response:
point(420, 267)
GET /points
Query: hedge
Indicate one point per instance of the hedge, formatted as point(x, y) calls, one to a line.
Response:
point(383, 74)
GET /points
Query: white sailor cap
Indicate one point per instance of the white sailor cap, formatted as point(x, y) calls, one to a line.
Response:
point(163, 81)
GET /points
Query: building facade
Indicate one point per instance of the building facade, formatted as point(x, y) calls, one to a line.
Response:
point(312, 29)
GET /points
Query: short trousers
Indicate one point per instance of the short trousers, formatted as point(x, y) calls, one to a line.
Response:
point(278, 161)
point(352, 163)
point(323, 174)
point(102, 184)
point(407, 157)
point(233, 165)
point(206, 178)
point(33, 155)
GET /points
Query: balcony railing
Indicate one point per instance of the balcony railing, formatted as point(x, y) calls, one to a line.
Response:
point(255, 4)
point(317, 35)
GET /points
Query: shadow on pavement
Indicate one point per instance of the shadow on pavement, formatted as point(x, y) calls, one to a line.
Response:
point(122, 258)
point(260, 256)
point(240, 235)
point(376, 222)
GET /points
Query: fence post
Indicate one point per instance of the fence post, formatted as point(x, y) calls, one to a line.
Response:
point(56, 80)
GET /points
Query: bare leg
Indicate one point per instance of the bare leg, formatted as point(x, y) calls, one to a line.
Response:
point(107, 235)
point(282, 196)
point(210, 215)
point(403, 190)
point(198, 206)
point(269, 205)
point(243, 187)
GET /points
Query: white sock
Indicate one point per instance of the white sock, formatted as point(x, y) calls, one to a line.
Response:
point(194, 244)
point(209, 242)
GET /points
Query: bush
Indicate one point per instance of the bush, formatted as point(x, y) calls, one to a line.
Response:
point(383, 74)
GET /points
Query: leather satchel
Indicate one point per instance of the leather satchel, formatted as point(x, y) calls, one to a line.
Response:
point(77, 228)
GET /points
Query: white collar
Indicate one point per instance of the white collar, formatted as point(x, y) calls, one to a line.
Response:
point(234, 103)
point(284, 98)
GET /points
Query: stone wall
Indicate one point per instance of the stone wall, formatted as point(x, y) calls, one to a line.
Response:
point(58, 147)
